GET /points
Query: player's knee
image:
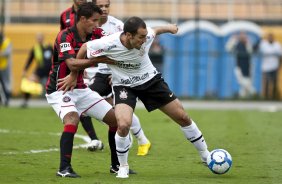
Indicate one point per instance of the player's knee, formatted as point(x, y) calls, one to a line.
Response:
point(183, 119)
point(123, 129)
point(71, 118)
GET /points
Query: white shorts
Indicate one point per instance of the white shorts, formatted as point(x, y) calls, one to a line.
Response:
point(81, 101)
point(88, 75)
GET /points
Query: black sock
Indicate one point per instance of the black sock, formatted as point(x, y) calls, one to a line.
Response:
point(88, 127)
point(66, 145)
point(66, 149)
point(112, 144)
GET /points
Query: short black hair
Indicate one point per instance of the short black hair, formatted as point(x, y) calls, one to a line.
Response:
point(132, 24)
point(87, 10)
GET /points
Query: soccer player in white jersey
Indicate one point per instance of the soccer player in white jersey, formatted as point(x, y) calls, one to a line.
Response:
point(134, 75)
point(101, 82)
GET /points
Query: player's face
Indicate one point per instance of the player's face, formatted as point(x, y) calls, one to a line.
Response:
point(138, 39)
point(105, 7)
point(92, 22)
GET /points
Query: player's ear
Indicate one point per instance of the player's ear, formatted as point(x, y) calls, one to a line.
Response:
point(128, 35)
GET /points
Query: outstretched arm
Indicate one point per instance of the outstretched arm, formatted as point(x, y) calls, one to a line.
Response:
point(77, 64)
point(170, 28)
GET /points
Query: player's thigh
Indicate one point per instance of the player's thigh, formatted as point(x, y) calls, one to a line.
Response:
point(110, 118)
point(62, 104)
point(124, 115)
point(92, 104)
point(125, 102)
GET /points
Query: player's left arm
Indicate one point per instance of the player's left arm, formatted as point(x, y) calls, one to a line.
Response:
point(170, 28)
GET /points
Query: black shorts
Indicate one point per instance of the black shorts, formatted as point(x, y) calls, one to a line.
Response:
point(154, 94)
point(101, 84)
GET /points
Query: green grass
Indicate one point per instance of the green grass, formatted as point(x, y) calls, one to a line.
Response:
point(253, 138)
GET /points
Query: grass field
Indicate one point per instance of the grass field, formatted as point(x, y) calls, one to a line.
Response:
point(253, 138)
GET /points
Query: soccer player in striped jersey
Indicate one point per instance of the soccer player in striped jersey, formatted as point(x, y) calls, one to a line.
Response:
point(68, 19)
point(80, 100)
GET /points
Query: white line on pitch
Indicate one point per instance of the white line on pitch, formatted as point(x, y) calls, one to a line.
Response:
point(84, 138)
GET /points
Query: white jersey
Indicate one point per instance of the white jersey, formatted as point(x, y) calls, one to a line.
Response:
point(133, 67)
point(271, 53)
point(113, 25)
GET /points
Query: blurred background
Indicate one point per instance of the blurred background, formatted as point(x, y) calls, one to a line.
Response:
point(196, 62)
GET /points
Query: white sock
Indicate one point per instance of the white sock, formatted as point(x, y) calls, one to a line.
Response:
point(122, 148)
point(137, 131)
point(194, 135)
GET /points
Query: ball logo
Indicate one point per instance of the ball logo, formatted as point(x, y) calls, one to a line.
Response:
point(66, 99)
point(123, 94)
point(65, 46)
point(219, 161)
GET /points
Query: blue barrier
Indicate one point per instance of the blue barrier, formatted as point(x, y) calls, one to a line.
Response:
point(196, 63)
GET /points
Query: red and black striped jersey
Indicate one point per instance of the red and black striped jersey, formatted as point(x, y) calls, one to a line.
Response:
point(66, 46)
point(68, 18)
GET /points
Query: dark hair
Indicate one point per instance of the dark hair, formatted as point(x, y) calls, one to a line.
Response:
point(132, 24)
point(87, 10)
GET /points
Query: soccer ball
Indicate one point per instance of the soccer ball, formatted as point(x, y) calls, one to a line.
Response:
point(219, 161)
point(95, 145)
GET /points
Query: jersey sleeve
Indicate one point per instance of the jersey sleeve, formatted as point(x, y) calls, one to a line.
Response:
point(95, 48)
point(64, 46)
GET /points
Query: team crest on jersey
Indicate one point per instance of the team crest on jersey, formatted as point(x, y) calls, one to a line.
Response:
point(123, 94)
point(66, 99)
point(65, 46)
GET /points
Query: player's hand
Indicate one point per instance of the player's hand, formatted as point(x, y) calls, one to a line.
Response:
point(67, 83)
point(173, 28)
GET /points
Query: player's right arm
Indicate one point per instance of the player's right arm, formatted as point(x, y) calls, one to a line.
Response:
point(95, 50)
point(77, 64)
point(85, 63)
